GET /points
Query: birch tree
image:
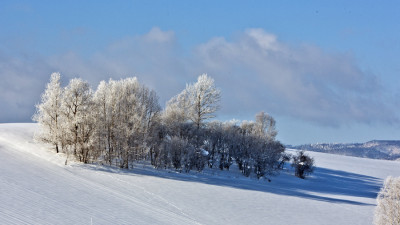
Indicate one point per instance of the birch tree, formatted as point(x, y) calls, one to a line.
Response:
point(198, 101)
point(78, 118)
point(103, 126)
point(265, 126)
point(127, 116)
point(204, 98)
point(48, 112)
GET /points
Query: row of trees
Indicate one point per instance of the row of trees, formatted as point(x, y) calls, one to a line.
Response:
point(112, 124)
point(122, 122)
point(221, 144)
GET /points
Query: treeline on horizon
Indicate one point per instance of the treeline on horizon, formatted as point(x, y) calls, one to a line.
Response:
point(122, 122)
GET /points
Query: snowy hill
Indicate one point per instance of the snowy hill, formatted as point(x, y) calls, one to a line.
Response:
point(37, 188)
point(376, 149)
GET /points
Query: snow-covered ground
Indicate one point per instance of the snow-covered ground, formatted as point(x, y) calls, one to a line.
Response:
point(37, 188)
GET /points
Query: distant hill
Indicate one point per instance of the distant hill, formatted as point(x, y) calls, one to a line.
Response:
point(376, 149)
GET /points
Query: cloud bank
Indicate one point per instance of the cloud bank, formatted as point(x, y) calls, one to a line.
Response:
point(303, 81)
point(255, 71)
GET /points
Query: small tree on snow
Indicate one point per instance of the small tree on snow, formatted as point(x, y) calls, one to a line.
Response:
point(387, 210)
point(303, 164)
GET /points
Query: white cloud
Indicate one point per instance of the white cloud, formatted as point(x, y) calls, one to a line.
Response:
point(265, 40)
point(22, 81)
point(153, 57)
point(303, 82)
point(256, 71)
point(157, 35)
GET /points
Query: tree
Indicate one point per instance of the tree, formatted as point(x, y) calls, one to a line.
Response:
point(204, 98)
point(48, 112)
point(198, 101)
point(127, 117)
point(150, 111)
point(103, 126)
point(387, 210)
point(303, 164)
point(265, 126)
point(122, 123)
point(78, 123)
point(175, 114)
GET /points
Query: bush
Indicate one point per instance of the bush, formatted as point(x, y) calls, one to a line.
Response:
point(387, 210)
point(303, 164)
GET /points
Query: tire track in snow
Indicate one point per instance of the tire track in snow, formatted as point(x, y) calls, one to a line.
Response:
point(156, 196)
point(131, 198)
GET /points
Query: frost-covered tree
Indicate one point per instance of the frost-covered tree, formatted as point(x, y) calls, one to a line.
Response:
point(265, 126)
point(204, 99)
point(121, 122)
point(246, 144)
point(127, 117)
point(197, 102)
point(387, 210)
point(78, 121)
point(48, 112)
point(267, 160)
point(150, 113)
point(175, 114)
point(151, 122)
point(214, 144)
point(103, 121)
point(255, 148)
point(229, 143)
point(184, 118)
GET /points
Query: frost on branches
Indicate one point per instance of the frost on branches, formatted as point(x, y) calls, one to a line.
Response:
point(122, 122)
point(387, 210)
point(48, 112)
point(198, 102)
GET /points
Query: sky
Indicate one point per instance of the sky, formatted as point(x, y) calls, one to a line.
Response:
point(327, 72)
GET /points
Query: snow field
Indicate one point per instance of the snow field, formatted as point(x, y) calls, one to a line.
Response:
point(37, 188)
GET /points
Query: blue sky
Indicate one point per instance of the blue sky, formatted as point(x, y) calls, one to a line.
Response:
point(327, 71)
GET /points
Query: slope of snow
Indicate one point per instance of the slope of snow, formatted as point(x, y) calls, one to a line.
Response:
point(37, 188)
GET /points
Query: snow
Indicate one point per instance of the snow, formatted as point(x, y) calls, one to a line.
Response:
point(38, 188)
point(204, 152)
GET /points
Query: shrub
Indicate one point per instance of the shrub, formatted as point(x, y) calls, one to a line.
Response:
point(303, 164)
point(387, 210)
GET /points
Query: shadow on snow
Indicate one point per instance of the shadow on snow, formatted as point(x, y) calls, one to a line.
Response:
point(323, 182)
